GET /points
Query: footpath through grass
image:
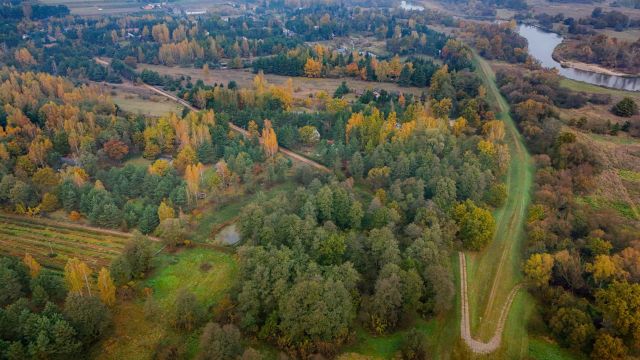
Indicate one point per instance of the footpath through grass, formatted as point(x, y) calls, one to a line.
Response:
point(497, 269)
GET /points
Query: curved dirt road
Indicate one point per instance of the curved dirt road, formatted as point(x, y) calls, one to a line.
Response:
point(465, 326)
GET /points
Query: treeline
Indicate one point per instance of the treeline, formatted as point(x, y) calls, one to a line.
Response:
point(579, 257)
point(599, 19)
point(32, 11)
point(320, 62)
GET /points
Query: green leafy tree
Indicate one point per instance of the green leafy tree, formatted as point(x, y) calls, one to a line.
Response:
point(220, 342)
point(625, 107)
point(476, 225)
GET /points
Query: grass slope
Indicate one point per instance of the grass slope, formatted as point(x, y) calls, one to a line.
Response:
point(496, 270)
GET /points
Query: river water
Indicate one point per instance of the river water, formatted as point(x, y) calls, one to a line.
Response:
point(541, 45)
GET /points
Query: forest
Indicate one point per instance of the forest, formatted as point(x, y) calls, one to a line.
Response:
point(264, 219)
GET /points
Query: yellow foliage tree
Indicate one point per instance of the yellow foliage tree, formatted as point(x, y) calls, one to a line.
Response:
point(493, 130)
point(32, 264)
point(538, 268)
point(165, 211)
point(76, 275)
point(106, 287)
point(313, 68)
point(186, 156)
point(24, 57)
point(269, 140)
point(192, 176)
point(159, 167)
point(458, 126)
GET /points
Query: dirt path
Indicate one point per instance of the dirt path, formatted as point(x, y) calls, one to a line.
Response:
point(496, 283)
point(465, 326)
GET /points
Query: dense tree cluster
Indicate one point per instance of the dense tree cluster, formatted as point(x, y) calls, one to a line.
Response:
point(497, 41)
point(33, 324)
point(581, 260)
point(603, 50)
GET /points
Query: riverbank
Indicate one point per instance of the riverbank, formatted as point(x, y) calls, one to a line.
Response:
point(579, 65)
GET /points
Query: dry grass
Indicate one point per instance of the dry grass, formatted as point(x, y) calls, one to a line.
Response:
point(629, 35)
point(575, 10)
point(303, 86)
point(618, 185)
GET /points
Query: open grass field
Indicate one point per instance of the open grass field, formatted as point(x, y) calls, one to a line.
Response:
point(52, 244)
point(302, 86)
point(207, 273)
point(136, 104)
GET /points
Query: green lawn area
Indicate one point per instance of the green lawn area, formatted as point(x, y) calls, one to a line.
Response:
point(600, 202)
point(185, 270)
point(136, 337)
point(590, 88)
point(138, 161)
point(540, 349)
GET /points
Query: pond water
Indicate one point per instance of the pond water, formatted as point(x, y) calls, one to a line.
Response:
point(229, 235)
point(541, 46)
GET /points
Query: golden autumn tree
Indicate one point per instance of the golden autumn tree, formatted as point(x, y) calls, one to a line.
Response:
point(39, 149)
point(458, 126)
point(269, 140)
point(193, 175)
point(160, 33)
point(76, 275)
point(32, 264)
point(106, 287)
point(165, 211)
point(24, 57)
point(313, 68)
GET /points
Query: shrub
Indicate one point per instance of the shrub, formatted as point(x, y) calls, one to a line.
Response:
point(625, 108)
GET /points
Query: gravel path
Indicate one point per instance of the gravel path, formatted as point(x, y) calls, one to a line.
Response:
point(465, 325)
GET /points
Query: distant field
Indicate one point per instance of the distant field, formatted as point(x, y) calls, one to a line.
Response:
point(302, 86)
point(575, 9)
point(630, 35)
point(53, 244)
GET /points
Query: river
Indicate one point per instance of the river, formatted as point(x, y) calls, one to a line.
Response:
point(541, 46)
